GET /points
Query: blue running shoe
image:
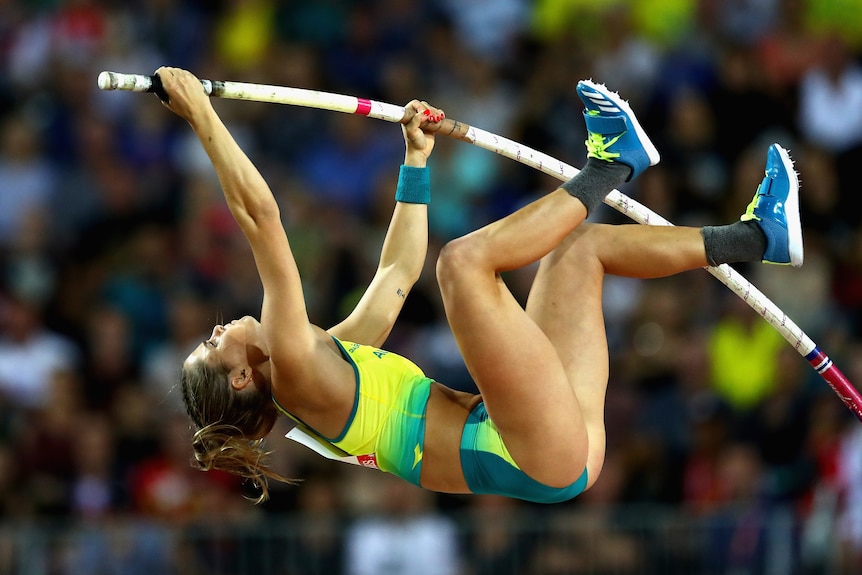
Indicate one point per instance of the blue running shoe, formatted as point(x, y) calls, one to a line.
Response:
point(613, 132)
point(775, 208)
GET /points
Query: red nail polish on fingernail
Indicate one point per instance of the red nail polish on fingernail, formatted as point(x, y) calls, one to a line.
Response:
point(426, 112)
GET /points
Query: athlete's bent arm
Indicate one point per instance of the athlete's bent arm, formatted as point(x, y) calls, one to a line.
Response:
point(404, 248)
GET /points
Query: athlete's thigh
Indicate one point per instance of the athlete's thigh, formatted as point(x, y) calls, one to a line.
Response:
point(565, 302)
point(519, 373)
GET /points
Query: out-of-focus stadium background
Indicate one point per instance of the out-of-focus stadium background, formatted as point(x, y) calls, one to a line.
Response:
point(727, 454)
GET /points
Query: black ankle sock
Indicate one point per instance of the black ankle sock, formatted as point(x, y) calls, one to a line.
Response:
point(596, 181)
point(741, 241)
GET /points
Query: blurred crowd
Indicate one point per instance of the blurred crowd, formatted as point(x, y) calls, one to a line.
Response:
point(117, 253)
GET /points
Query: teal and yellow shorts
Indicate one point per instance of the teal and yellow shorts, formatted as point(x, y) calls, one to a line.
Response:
point(489, 468)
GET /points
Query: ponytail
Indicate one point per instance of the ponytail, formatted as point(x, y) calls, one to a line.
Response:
point(224, 447)
point(230, 424)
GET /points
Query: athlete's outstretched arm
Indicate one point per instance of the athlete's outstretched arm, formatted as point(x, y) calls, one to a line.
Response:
point(404, 248)
point(255, 209)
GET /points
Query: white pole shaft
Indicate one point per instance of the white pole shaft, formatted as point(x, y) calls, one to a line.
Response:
point(800, 341)
point(487, 140)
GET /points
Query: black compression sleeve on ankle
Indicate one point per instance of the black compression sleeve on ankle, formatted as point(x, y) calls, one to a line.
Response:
point(596, 181)
point(741, 241)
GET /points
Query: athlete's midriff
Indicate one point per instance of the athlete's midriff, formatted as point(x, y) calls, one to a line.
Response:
point(446, 414)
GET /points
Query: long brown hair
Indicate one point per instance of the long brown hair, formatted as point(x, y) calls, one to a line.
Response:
point(230, 424)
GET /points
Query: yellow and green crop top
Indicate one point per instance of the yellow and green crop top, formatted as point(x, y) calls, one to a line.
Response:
point(386, 428)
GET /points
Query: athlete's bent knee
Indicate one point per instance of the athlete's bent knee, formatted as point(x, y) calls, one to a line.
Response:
point(458, 258)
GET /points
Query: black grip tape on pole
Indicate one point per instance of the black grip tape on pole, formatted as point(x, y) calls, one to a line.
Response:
point(157, 88)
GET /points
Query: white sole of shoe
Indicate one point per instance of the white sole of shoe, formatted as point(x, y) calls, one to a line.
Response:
point(791, 210)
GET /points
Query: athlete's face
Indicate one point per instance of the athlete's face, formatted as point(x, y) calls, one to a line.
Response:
point(230, 344)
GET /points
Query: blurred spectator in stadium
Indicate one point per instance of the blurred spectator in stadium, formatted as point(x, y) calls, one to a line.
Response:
point(848, 529)
point(830, 116)
point(788, 50)
point(806, 297)
point(354, 63)
point(402, 534)
point(28, 179)
point(740, 22)
point(830, 98)
point(166, 489)
point(319, 545)
point(343, 164)
point(123, 547)
point(590, 540)
point(189, 318)
point(109, 360)
point(740, 83)
point(691, 153)
point(94, 486)
point(242, 34)
point(30, 352)
point(495, 540)
point(283, 131)
point(711, 432)
point(846, 282)
point(464, 178)
point(102, 235)
point(743, 350)
point(29, 267)
point(80, 145)
point(13, 499)
point(778, 428)
point(489, 29)
point(737, 534)
point(623, 57)
point(143, 276)
point(135, 417)
point(316, 24)
point(825, 225)
point(820, 511)
point(46, 450)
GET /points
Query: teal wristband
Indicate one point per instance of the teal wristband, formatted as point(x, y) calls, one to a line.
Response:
point(414, 185)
